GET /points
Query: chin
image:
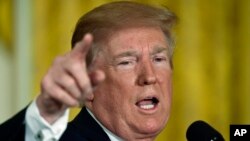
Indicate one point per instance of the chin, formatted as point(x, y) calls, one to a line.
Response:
point(153, 127)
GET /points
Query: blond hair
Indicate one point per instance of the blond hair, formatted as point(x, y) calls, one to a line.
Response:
point(108, 18)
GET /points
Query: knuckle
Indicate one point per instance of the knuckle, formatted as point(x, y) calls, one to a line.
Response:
point(62, 96)
point(68, 82)
point(72, 103)
point(84, 85)
point(76, 66)
point(46, 82)
point(58, 94)
point(58, 60)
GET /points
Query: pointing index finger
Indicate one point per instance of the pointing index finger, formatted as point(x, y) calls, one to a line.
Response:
point(82, 47)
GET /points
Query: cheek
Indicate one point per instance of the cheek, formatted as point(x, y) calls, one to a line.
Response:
point(122, 88)
point(164, 78)
point(113, 98)
point(121, 80)
point(166, 85)
point(117, 86)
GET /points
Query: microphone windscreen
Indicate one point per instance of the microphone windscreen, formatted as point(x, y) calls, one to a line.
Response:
point(201, 131)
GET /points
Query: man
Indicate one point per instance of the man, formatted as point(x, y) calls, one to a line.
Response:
point(120, 69)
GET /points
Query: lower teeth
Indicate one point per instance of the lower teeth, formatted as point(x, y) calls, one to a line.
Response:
point(147, 106)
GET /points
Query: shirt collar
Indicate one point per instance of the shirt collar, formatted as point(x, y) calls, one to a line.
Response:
point(111, 135)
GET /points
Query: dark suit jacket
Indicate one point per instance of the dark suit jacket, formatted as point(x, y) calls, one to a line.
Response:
point(82, 128)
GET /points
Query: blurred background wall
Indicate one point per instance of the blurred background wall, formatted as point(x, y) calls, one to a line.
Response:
point(212, 57)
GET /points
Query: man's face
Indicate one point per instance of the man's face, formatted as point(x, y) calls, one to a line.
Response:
point(135, 98)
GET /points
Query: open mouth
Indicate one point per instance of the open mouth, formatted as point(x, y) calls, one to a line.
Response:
point(148, 103)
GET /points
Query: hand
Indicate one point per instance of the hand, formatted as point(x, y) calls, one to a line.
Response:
point(68, 82)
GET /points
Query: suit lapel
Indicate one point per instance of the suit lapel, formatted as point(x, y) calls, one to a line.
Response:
point(84, 128)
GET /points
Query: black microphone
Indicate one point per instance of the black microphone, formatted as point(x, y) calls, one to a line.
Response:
point(201, 131)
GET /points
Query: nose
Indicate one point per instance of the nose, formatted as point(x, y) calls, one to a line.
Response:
point(147, 75)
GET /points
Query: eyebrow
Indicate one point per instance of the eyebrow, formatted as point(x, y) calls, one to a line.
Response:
point(134, 53)
point(126, 54)
point(159, 50)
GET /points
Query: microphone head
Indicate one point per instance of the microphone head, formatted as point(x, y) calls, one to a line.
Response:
point(201, 131)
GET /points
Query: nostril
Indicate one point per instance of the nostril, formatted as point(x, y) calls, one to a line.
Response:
point(146, 80)
point(149, 80)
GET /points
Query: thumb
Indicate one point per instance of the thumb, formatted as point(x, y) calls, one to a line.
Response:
point(96, 77)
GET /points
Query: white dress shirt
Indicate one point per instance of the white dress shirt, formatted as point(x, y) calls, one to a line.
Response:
point(38, 129)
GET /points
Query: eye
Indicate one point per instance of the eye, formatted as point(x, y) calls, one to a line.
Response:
point(159, 59)
point(125, 63)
